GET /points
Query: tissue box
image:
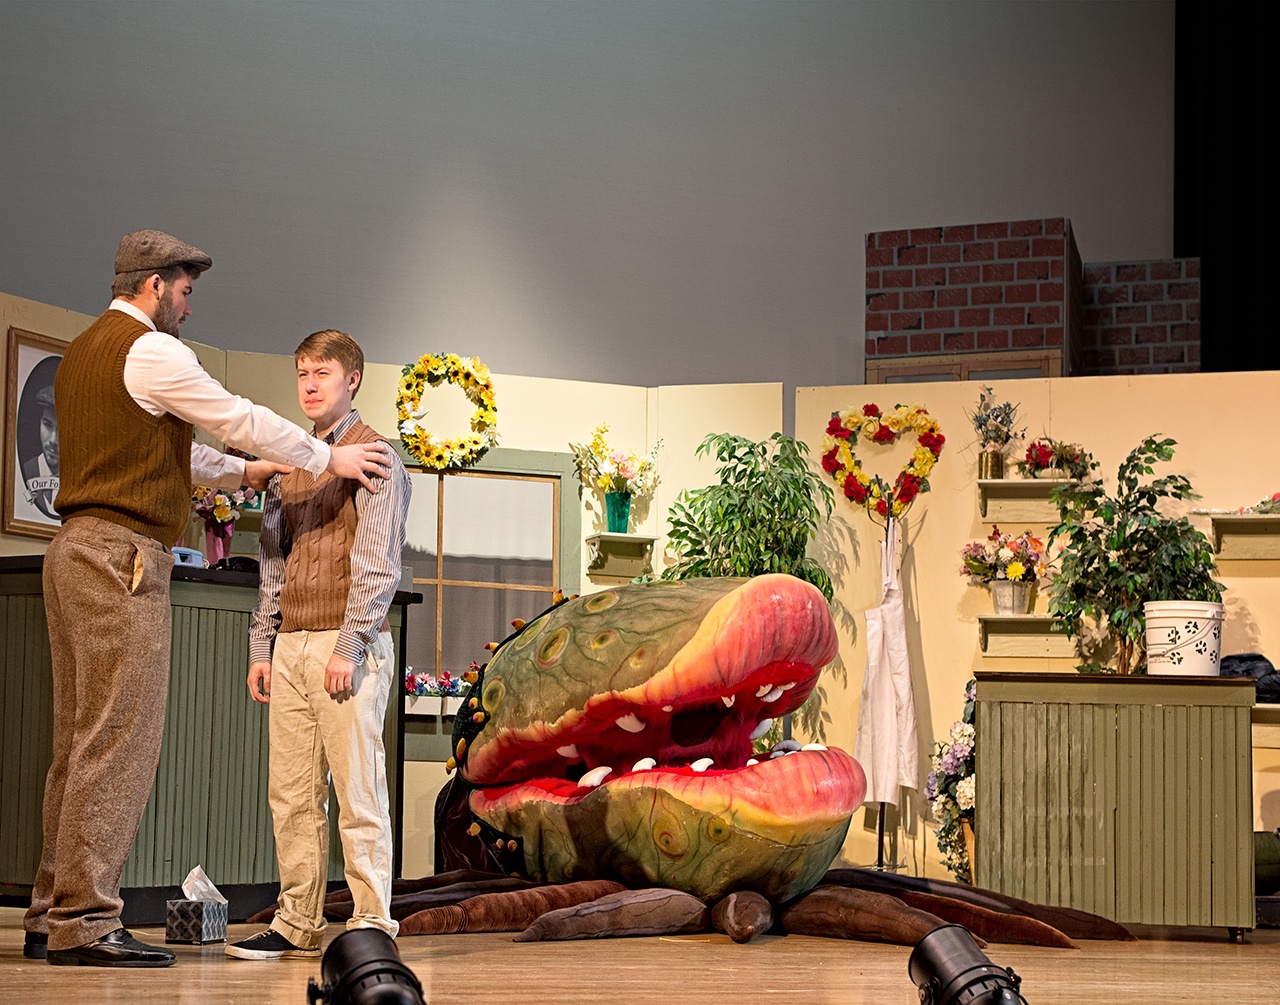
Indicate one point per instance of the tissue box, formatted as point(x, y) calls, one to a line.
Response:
point(196, 921)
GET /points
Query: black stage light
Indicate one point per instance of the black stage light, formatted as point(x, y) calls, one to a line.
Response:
point(363, 967)
point(949, 969)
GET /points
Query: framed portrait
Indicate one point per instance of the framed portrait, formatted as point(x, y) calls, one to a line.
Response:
point(31, 434)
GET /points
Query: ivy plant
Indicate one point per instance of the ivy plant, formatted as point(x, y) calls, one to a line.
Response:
point(1119, 551)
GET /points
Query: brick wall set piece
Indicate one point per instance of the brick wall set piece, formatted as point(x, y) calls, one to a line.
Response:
point(991, 287)
point(1142, 317)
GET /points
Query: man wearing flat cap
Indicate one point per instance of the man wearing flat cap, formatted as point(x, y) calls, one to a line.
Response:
point(128, 393)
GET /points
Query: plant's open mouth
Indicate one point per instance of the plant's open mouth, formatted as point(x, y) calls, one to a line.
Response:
point(688, 705)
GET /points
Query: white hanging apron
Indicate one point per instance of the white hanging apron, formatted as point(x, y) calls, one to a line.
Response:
point(885, 744)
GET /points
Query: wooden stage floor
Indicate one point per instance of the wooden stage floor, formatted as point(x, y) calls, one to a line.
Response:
point(492, 970)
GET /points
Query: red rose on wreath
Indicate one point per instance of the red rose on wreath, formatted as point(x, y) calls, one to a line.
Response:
point(874, 493)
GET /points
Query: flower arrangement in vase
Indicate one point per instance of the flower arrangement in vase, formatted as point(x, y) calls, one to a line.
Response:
point(994, 423)
point(1050, 458)
point(950, 789)
point(1009, 566)
point(619, 476)
point(220, 509)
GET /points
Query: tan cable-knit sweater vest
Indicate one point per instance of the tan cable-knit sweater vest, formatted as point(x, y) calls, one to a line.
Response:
point(119, 462)
point(320, 514)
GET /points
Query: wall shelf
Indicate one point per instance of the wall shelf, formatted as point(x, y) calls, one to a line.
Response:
point(1246, 536)
point(1022, 635)
point(622, 556)
point(1017, 500)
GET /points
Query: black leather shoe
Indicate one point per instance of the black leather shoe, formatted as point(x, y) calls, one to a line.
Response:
point(115, 949)
point(35, 946)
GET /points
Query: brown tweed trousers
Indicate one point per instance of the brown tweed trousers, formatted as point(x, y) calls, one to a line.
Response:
point(106, 597)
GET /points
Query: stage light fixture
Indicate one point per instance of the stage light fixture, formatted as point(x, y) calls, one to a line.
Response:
point(363, 967)
point(949, 969)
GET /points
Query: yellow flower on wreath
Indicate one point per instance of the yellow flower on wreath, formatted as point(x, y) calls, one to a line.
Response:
point(473, 377)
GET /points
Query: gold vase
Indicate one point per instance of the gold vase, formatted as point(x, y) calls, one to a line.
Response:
point(990, 464)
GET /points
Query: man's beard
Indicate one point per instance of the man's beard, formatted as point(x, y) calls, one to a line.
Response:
point(168, 317)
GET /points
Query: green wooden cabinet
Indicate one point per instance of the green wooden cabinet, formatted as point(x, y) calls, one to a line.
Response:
point(1131, 797)
point(209, 803)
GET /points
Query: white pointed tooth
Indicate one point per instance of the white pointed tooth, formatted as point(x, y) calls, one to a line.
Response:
point(701, 764)
point(728, 699)
point(764, 689)
point(814, 746)
point(787, 745)
point(631, 722)
point(789, 685)
point(751, 761)
point(594, 777)
point(764, 726)
point(668, 708)
point(773, 695)
point(644, 764)
point(774, 754)
point(570, 751)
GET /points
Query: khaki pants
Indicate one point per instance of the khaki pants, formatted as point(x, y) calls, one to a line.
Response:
point(106, 598)
point(312, 734)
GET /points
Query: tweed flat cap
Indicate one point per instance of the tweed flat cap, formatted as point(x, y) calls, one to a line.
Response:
point(154, 249)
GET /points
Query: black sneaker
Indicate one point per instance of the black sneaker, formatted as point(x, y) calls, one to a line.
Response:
point(35, 946)
point(269, 945)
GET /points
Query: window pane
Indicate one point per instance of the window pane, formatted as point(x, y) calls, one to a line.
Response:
point(499, 530)
point(420, 526)
point(475, 615)
point(420, 632)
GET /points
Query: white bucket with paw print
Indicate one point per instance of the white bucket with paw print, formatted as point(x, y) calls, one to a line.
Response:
point(1184, 637)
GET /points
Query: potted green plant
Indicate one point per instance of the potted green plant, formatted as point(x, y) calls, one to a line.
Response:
point(1119, 551)
point(758, 519)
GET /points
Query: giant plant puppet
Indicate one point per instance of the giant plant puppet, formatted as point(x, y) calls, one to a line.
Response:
point(606, 766)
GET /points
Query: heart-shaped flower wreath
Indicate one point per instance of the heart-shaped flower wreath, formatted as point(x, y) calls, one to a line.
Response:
point(872, 492)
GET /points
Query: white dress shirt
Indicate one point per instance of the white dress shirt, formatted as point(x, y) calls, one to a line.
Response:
point(163, 376)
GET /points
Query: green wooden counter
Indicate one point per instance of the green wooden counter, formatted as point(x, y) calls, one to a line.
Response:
point(209, 803)
point(1131, 797)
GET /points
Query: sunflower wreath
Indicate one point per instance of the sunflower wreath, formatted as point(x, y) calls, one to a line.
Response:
point(432, 370)
point(873, 493)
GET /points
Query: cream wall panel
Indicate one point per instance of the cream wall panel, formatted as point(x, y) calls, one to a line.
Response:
point(1109, 415)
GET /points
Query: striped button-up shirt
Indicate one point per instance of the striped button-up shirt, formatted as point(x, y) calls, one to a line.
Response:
point(374, 560)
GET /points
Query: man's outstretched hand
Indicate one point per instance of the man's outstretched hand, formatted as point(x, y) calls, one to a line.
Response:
point(258, 473)
point(366, 463)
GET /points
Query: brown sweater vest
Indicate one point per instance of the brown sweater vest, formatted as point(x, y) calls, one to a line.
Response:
point(119, 462)
point(320, 514)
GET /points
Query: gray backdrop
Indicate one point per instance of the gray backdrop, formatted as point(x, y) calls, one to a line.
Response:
point(635, 191)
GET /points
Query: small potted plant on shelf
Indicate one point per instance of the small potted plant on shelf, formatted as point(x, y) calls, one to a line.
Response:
point(950, 791)
point(1119, 553)
point(621, 477)
point(1010, 567)
point(994, 423)
point(1050, 458)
